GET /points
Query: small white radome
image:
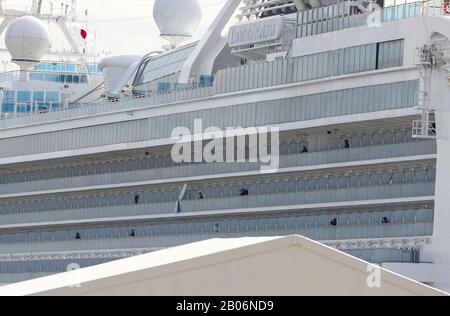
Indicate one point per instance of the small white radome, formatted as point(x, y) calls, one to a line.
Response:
point(177, 17)
point(27, 40)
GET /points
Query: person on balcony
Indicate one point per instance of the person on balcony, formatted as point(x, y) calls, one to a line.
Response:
point(243, 192)
point(346, 144)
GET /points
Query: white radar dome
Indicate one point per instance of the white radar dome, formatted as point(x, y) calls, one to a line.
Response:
point(27, 40)
point(177, 19)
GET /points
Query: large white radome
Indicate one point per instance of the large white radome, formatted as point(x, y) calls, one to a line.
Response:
point(27, 40)
point(177, 17)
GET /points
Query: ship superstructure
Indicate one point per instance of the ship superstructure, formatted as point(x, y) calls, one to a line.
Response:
point(50, 78)
point(358, 90)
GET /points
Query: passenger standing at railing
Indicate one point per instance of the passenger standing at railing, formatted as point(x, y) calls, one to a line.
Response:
point(346, 144)
point(243, 192)
point(433, 129)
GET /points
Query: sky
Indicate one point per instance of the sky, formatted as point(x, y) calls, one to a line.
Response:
point(122, 26)
point(128, 26)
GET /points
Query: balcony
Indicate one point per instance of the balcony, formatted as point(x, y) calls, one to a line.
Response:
point(163, 203)
point(167, 169)
point(317, 233)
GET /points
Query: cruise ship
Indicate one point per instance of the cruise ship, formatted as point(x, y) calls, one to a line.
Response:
point(355, 90)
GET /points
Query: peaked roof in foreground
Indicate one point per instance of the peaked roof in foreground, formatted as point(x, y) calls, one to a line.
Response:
point(245, 266)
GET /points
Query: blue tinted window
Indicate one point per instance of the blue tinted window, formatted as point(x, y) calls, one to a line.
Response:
point(83, 79)
point(23, 107)
point(164, 86)
point(69, 78)
point(56, 67)
point(9, 95)
point(38, 96)
point(43, 106)
point(76, 79)
point(51, 77)
point(52, 97)
point(181, 86)
point(24, 96)
point(93, 68)
point(8, 107)
point(38, 77)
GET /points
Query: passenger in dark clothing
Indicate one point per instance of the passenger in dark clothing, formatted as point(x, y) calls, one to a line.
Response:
point(384, 220)
point(77, 236)
point(304, 150)
point(216, 228)
point(346, 144)
point(433, 129)
point(243, 192)
point(201, 196)
point(136, 199)
point(334, 222)
point(132, 233)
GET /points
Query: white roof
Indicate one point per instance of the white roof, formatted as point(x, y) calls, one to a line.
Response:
point(246, 266)
point(122, 61)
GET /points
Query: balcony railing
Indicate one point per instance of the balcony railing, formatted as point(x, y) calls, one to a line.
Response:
point(316, 21)
point(422, 147)
point(372, 192)
point(317, 233)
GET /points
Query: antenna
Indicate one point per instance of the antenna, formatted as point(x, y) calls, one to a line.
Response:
point(34, 7)
point(39, 8)
point(73, 15)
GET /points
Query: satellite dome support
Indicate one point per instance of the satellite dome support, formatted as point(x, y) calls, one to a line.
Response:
point(201, 61)
point(210, 42)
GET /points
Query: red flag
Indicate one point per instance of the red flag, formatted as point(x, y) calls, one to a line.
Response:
point(80, 34)
point(84, 34)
